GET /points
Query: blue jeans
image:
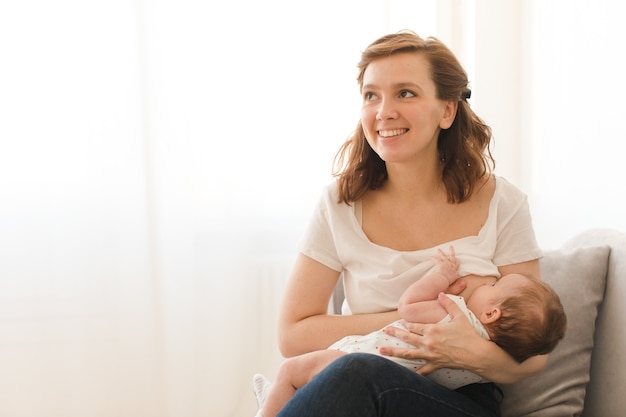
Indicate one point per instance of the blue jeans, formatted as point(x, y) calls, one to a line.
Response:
point(365, 385)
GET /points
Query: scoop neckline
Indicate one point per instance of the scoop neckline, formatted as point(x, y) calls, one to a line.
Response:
point(357, 218)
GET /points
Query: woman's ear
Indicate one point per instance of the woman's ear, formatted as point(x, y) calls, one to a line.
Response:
point(491, 315)
point(449, 114)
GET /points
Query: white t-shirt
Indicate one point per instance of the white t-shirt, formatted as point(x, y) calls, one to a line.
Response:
point(375, 276)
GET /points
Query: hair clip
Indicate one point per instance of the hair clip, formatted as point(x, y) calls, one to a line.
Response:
point(466, 94)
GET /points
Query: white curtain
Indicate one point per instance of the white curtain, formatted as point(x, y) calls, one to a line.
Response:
point(548, 78)
point(159, 161)
point(578, 141)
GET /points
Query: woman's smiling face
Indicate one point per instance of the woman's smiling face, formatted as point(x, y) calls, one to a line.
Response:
point(401, 114)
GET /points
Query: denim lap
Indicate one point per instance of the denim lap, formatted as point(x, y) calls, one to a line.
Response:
point(365, 385)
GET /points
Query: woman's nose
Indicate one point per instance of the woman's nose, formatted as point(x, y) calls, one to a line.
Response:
point(386, 110)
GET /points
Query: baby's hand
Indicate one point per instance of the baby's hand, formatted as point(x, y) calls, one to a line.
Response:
point(447, 265)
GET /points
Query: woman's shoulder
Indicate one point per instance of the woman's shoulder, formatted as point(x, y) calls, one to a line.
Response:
point(507, 192)
point(330, 194)
point(329, 202)
point(502, 197)
point(509, 202)
point(496, 184)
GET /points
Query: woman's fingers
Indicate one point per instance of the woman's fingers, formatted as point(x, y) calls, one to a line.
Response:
point(411, 337)
point(426, 368)
point(450, 306)
point(431, 342)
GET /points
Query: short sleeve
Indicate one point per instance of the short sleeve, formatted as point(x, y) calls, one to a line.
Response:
point(318, 242)
point(516, 241)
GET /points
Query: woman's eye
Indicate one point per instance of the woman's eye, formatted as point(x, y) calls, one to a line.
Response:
point(407, 94)
point(369, 96)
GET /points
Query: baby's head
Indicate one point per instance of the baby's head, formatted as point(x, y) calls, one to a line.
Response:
point(524, 316)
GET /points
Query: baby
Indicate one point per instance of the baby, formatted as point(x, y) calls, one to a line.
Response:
point(523, 316)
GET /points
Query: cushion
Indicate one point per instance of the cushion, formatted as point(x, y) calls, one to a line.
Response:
point(579, 277)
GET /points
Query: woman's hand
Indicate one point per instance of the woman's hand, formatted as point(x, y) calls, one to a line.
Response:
point(445, 345)
point(455, 344)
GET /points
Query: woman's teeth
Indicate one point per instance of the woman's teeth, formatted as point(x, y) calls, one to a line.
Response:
point(394, 132)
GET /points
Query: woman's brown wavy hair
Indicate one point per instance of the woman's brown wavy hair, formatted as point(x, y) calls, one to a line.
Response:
point(463, 148)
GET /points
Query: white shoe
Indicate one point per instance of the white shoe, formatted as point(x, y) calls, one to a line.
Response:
point(261, 385)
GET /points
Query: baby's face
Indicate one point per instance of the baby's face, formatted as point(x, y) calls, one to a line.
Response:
point(489, 295)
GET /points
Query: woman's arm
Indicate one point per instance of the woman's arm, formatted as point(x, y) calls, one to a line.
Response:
point(457, 345)
point(304, 323)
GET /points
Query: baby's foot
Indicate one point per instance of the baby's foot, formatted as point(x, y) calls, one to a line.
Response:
point(261, 385)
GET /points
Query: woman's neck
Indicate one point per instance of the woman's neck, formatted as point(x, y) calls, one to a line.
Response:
point(407, 183)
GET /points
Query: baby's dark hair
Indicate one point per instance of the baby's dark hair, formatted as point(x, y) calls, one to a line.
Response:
point(532, 322)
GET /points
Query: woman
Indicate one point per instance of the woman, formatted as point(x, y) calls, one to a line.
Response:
point(415, 176)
